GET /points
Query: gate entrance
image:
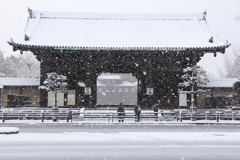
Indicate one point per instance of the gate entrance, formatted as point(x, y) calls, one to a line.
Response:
point(113, 89)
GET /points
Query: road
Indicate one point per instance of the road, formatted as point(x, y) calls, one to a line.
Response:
point(182, 150)
point(92, 142)
point(118, 127)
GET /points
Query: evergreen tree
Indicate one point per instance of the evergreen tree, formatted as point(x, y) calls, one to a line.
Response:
point(192, 77)
point(55, 83)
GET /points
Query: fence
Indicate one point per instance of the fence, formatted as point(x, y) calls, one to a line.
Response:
point(76, 115)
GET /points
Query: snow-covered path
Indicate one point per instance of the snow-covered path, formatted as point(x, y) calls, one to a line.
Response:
point(122, 142)
point(121, 136)
point(121, 145)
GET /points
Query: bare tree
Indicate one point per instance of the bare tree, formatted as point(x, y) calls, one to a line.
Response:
point(1, 62)
point(30, 66)
point(231, 65)
point(11, 66)
point(23, 66)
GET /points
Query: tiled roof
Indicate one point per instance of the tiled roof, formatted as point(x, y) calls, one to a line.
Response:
point(221, 83)
point(19, 81)
point(117, 31)
point(109, 76)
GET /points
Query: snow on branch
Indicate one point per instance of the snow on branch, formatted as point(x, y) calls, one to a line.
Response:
point(55, 83)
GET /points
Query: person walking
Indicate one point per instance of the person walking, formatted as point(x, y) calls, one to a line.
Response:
point(137, 111)
point(155, 109)
point(121, 113)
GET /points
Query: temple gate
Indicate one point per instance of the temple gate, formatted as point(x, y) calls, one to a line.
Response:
point(153, 47)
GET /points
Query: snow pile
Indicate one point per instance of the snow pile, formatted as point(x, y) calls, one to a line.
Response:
point(9, 130)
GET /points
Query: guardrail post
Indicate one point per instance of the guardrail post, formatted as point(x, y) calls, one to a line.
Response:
point(42, 116)
point(217, 116)
point(69, 116)
point(207, 112)
point(233, 115)
point(3, 117)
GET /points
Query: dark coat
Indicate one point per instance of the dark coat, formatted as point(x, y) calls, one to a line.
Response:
point(155, 108)
point(121, 111)
point(137, 110)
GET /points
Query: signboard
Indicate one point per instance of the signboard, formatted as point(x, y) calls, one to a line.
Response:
point(182, 99)
point(149, 91)
point(51, 99)
point(71, 97)
point(60, 99)
point(87, 90)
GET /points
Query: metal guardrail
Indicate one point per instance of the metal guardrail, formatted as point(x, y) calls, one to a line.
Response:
point(76, 115)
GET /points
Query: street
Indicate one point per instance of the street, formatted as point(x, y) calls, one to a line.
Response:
point(120, 127)
point(149, 149)
point(52, 141)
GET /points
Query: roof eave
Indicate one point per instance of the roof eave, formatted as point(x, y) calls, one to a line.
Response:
point(24, 47)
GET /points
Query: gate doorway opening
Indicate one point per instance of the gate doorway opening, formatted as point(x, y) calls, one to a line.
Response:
point(113, 89)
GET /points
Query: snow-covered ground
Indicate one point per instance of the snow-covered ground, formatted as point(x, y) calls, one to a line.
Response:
point(122, 136)
point(120, 141)
point(121, 145)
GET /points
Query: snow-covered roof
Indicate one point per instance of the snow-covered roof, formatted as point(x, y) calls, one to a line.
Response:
point(109, 76)
point(19, 81)
point(122, 84)
point(220, 83)
point(126, 83)
point(116, 31)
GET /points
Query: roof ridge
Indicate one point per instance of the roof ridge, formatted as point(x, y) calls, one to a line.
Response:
point(109, 15)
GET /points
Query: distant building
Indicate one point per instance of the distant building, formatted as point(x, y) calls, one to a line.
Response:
point(112, 90)
point(221, 93)
point(19, 92)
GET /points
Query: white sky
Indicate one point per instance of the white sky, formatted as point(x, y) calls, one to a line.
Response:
point(223, 17)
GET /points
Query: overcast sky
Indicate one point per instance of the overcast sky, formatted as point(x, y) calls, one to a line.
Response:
point(223, 18)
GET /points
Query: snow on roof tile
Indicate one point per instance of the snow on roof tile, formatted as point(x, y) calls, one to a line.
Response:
point(117, 31)
point(109, 76)
point(221, 83)
point(19, 81)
